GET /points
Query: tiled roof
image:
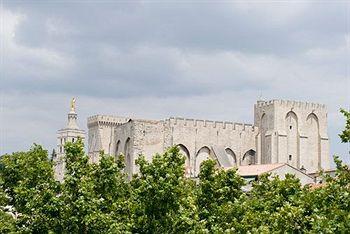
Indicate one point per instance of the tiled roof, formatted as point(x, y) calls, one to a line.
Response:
point(254, 170)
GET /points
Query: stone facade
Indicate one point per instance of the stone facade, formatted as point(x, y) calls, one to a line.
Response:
point(283, 132)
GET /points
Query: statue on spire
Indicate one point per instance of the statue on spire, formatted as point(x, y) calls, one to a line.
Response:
point(72, 105)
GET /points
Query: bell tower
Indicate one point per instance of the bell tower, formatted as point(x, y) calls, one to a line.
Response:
point(70, 133)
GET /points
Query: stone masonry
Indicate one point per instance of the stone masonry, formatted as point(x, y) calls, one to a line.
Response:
point(283, 132)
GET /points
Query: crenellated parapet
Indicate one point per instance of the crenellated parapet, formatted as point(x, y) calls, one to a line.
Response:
point(288, 103)
point(211, 124)
point(106, 120)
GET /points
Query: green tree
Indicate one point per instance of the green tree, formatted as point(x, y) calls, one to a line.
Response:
point(164, 197)
point(95, 198)
point(78, 203)
point(217, 190)
point(268, 203)
point(113, 193)
point(28, 184)
point(7, 222)
point(328, 206)
point(271, 206)
point(345, 135)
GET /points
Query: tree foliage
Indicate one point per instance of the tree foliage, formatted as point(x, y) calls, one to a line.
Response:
point(345, 135)
point(30, 189)
point(217, 191)
point(95, 197)
point(164, 196)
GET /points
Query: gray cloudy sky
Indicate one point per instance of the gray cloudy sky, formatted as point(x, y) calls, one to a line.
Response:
point(152, 59)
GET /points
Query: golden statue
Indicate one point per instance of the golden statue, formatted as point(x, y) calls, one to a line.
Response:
point(72, 104)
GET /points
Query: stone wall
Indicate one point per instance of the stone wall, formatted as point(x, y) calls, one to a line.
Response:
point(138, 137)
point(148, 137)
point(196, 135)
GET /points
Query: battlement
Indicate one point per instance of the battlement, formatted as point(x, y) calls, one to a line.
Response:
point(106, 120)
point(211, 124)
point(147, 121)
point(289, 103)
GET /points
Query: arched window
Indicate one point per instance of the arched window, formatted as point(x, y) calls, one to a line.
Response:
point(291, 126)
point(117, 149)
point(314, 148)
point(249, 158)
point(265, 150)
point(128, 159)
point(184, 151)
point(202, 155)
point(231, 156)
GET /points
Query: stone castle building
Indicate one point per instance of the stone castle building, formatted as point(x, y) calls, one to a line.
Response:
point(294, 133)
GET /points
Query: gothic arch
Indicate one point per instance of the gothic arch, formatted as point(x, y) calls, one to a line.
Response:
point(314, 117)
point(249, 158)
point(127, 155)
point(184, 151)
point(292, 131)
point(292, 114)
point(231, 156)
point(202, 155)
point(117, 149)
point(314, 144)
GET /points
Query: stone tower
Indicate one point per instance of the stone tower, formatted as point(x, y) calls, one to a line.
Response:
point(292, 132)
point(68, 134)
point(101, 135)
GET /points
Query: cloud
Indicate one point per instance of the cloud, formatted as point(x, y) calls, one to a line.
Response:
point(24, 65)
point(154, 60)
point(250, 27)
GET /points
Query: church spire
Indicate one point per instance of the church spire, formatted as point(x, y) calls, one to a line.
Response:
point(72, 116)
point(71, 133)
